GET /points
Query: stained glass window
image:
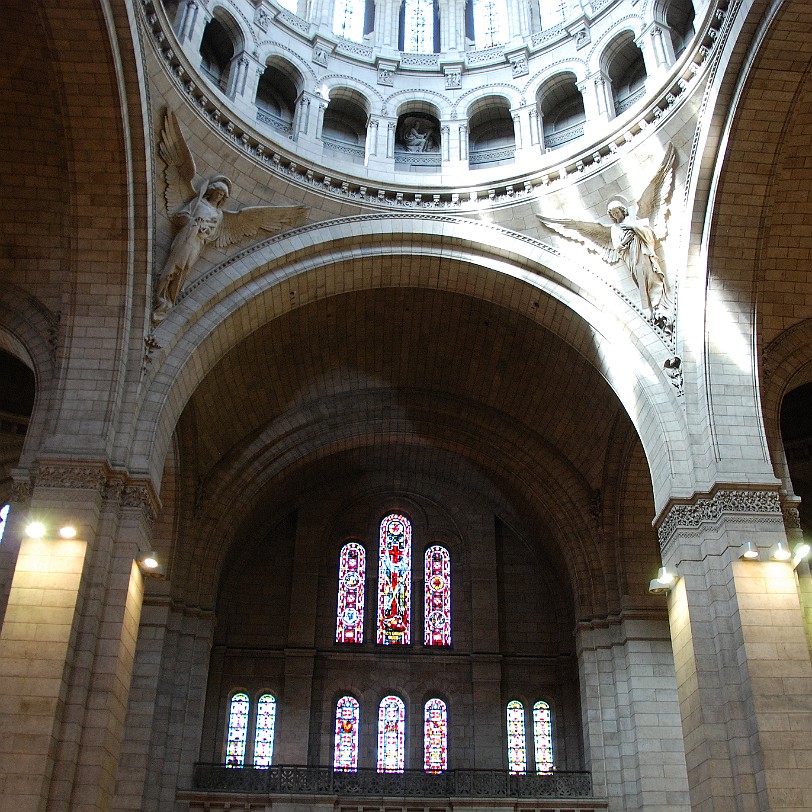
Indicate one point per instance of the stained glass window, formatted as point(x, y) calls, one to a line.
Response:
point(391, 734)
point(435, 736)
point(553, 12)
point(437, 603)
point(351, 583)
point(348, 19)
point(345, 757)
point(266, 724)
point(517, 750)
point(3, 517)
point(490, 22)
point(543, 737)
point(237, 730)
point(394, 581)
point(418, 26)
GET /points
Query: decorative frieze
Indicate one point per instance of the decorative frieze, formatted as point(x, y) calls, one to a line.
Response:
point(709, 509)
point(71, 475)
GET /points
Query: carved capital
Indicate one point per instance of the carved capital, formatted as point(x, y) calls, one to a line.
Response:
point(73, 475)
point(141, 496)
point(21, 492)
point(709, 509)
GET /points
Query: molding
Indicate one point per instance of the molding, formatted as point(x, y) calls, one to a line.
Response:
point(737, 502)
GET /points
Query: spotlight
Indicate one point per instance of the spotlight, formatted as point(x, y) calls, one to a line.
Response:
point(799, 552)
point(68, 531)
point(748, 551)
point(663, 583)
point(35, 530)
point(150, 565)
point(780, 551)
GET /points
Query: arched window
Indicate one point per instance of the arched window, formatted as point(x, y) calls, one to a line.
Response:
point(237, 734)
point(489, 19)
point(437, 601)
point(394, 581)
point(418, 27)
point(266, 724)
point(543, 737)
point(345, 754)
point(348, 19)
point(435, 736)
point(391, 735)
point(517, 748)
point(351, 582)
point(3, 517)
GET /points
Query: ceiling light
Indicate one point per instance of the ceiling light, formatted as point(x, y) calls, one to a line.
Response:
point(663, 583)
point(150, 565)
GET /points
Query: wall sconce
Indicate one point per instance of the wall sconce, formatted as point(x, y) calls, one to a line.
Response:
point(37, 530)
point(663, 583)
point(150, 565)
point(748, 551)
point(800, 552)
point(780, 551)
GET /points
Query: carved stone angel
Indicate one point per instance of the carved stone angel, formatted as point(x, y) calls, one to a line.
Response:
point(634, 241)
point(200, 218)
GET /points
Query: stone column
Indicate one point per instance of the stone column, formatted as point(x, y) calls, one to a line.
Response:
point(68, 641)
point(190, 23)
point(599, 106)
point(742, 662)
point(243, 79)
point(525, 121)
point(632, 732)
point(658, 51)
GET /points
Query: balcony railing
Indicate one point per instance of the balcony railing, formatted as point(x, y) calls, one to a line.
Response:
point(301, 780)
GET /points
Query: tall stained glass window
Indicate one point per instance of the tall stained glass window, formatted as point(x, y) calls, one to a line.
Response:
point(490, 23)
point(437, 597)
point(266, 724)
point(553, 12)
point(351, 583)
point(543, 737)
point(435, 736)
point(3, 517)
point(237, 734)
point(517, 748)
point(394, 581)
point(348, 19)
point(391, 735)
point(345, 756)
point(418, 26)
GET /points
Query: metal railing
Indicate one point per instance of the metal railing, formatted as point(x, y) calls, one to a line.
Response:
point(306, 780)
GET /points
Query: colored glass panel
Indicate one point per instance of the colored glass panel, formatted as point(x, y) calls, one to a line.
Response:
point(553, 12)
point(348, 19)
point(418, 26)
point(543, 737)
point(266, 725)
point(237, 730)
point(3, 517)
point(517, 748)
point(437, 598)
point(394, 581)
point(351, 584)
point(490, 23)
point(345, 755)
point(435, 736)
point(391, 735)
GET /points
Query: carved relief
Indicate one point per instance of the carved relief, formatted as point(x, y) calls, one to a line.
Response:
point(83, 477)
point(453, 79)
point(518, 66)
point(386, 76)
point(418, 133)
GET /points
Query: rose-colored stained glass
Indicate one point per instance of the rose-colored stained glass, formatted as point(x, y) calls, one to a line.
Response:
point(437, 598)
point(266, 725)
point(351, 584)
point(391, 735)
point(543, 737)
point(237, 734)
point(435, 736)
point(517, 748)
point(394, 581)
point(345, 755)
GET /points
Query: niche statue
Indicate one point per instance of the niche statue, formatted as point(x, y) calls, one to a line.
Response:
point(199, 216)
point(635, 240)
point(418, 134)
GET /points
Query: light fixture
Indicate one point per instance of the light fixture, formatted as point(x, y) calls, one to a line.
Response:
point(780, 551)
point(67, 531)
point(663, 583)
point(748, 551)
point(150, 565)
point(35, 530)
point(800, 551)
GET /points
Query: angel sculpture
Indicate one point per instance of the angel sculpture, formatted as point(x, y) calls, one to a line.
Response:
point(200, 217)
point(635, 241)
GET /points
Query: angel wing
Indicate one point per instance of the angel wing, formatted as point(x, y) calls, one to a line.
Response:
point(595, 236)
point(179, 165)
point(237, 225)
point(654, 202)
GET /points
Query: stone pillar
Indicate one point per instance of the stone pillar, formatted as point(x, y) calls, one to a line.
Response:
point(190, 23)
point(243, 79)
point(632, 732)
point(742, 662)
point(599, 105)
point(658, 51)
point(387, 19)
point(525, 120)
point(68, 641)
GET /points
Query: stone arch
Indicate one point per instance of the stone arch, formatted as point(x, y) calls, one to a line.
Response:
point(622, 61)
point(561, 106)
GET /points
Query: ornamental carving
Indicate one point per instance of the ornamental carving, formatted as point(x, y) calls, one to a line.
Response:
point(139, 496)
point(710, 509)
point(84, 477)
point(21, 492)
